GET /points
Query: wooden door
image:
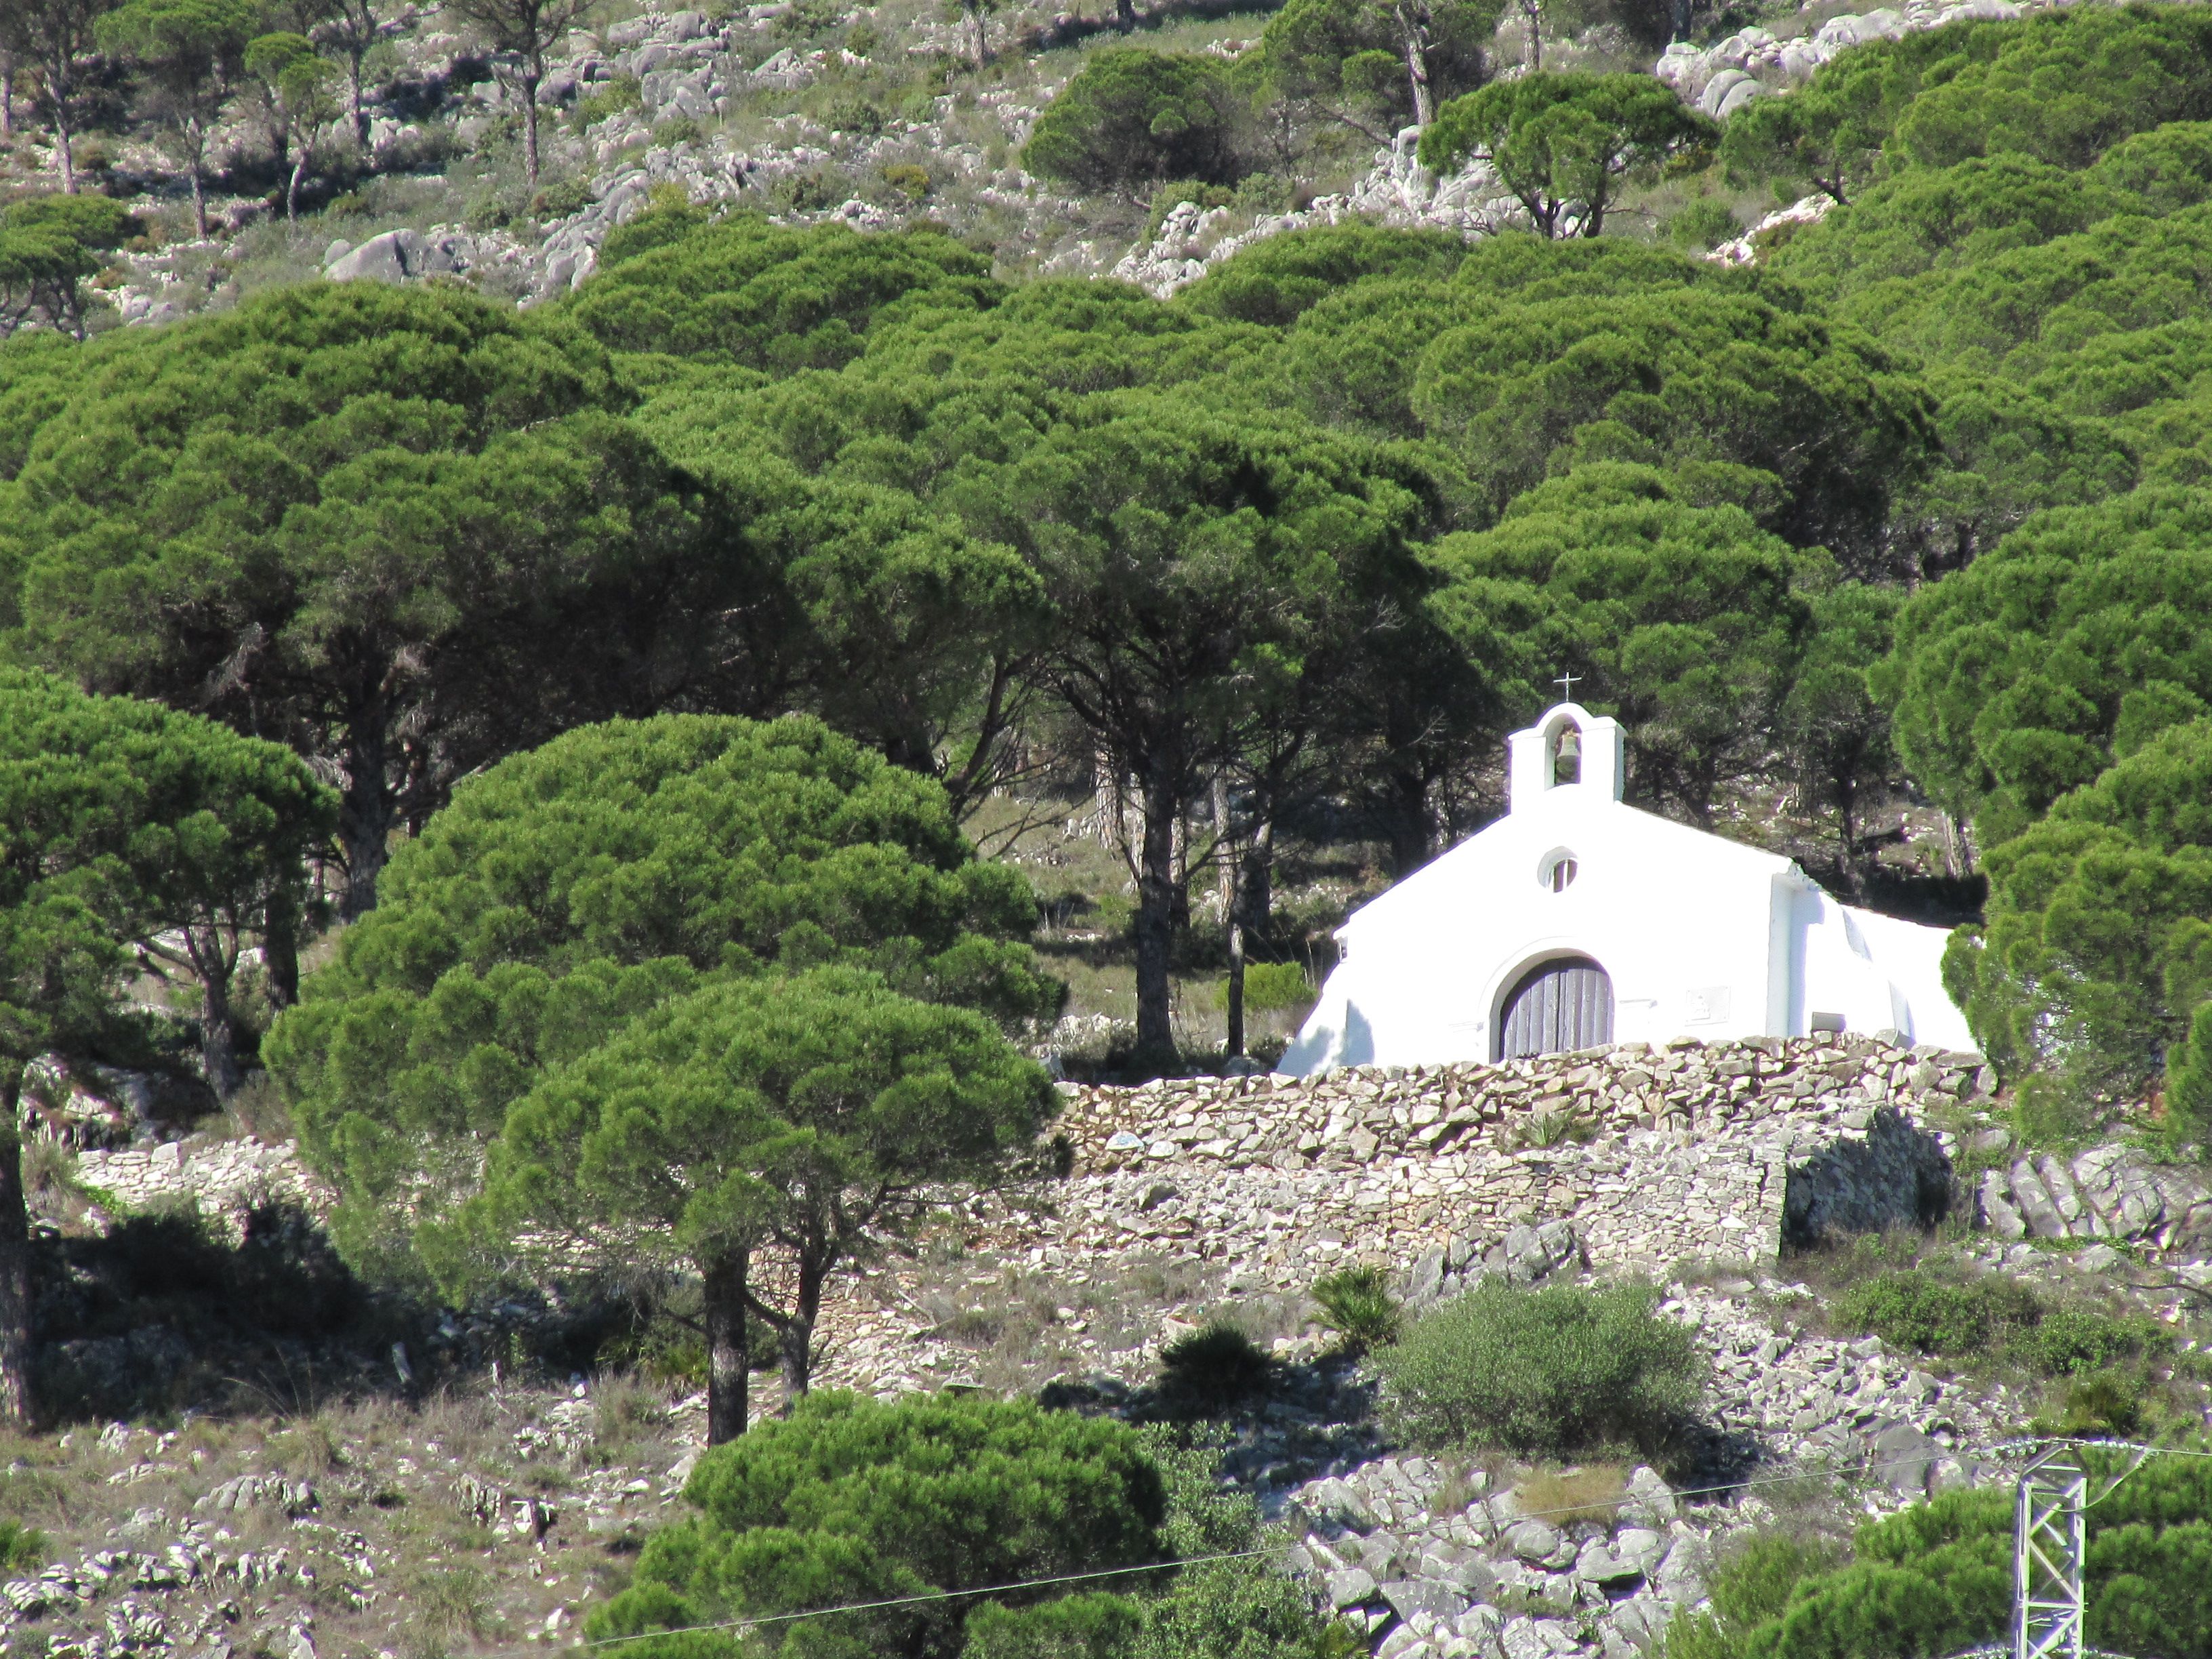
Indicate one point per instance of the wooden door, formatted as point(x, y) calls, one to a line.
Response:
point(1558, 1006)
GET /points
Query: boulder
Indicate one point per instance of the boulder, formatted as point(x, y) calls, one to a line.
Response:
point(1408, 1596)
point(1720, 86)
point(1532, 1540)
point(1737, 96)
point(1904, 1458)
point(1353, 1587)
point(380, 260)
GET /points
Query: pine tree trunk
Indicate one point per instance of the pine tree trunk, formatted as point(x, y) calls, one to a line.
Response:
point(1236, 1044)
point(1125, 15)
point(729, 1349)
point(64, 149)
point(7, 95)
point(1407, 809)
point(199, 184)
point(365, 811)
point(1226, 889)
point(1255, 883)
point(530, 125)
point(1417, 68)
point(359, 115)
point(1155, 928)
point(219, 1036)
point(795, 1341)
point(1847, 824)
point(16, 1401)
point(280, 947)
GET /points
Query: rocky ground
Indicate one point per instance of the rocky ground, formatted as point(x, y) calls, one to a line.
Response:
point(438, 1505)
point(497, 1515)
point(751, 106)
point(389, 1526)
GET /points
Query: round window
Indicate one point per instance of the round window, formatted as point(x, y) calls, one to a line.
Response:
point(1558, 870)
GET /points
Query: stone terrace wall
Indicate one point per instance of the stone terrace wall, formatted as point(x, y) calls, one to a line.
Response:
point(225, 1178)
point(1655, 1154)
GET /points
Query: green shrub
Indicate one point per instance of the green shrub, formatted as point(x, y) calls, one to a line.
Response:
point(1169, 196)
point(612, 99)
point(1277, 280)
point(561, 198)
point(1703, 225)
point(1553, 1371)
point(1131, 118)
point(678, 130)
point(907, 179)
point(2075, 1341)
point(1223, 1609)
point(22, 1547)
point(1264, 193)
point(1269, 987)
point(489, 212)
point(2049, 1111)
point(1098, 1625)
point(1912, 1309)
point(862, 40)
point(1239, 1610)
point(1938, 1577)
point(657, 227)
point(1991, 1317)
point(1751, 1585)
point(804, 193)
point(848, 1500)
point(2099, 1406)
point(1753, 1581)
point(803, 20)
point(1357, 1305)
point(855, 115)
point(1213, 1369)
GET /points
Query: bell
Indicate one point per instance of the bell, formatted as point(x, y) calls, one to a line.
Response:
point(1570, 744)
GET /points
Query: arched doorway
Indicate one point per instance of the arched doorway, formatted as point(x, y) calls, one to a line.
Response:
point(1563, 1004)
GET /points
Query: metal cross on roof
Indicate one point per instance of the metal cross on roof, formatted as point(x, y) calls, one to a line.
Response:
point(1567, 682)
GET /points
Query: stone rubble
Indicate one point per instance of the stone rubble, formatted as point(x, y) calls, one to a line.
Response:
point(1753, 63)
point(1397, 190)
point(261, 1560)
point(1629, 1159)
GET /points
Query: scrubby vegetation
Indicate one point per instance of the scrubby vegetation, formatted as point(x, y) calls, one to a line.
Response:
point(1990, 1317)
point(1357, 1303)
point(1557, 1371)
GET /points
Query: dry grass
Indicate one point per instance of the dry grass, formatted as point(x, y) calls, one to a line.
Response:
point(1022, 1327)
point(1594, 1492)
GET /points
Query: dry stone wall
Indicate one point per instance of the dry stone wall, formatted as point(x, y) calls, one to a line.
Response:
point(225, 1178)
point(1650, 1154)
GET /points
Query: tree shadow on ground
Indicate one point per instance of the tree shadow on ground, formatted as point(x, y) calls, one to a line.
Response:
point(165, 1314)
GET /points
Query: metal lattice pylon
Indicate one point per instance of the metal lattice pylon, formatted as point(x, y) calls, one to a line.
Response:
point(2049, 1546)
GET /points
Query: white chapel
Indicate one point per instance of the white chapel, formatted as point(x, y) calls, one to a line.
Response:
point(1577, 920)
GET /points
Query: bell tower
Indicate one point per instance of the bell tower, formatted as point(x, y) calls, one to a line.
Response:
point(1570, 749)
